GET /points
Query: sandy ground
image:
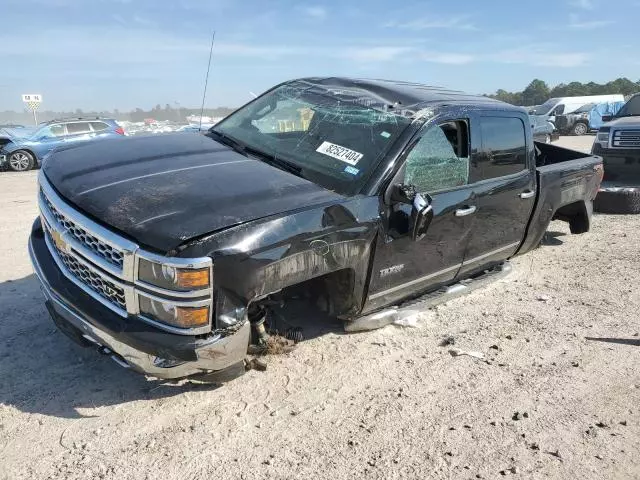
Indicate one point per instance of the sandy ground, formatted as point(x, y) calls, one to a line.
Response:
point(558, 397)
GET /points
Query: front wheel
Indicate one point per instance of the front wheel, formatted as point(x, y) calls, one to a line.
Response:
point(21, 161)
point(580, 129)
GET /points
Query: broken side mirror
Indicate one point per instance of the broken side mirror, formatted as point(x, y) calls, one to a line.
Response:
point(421, 209)
point(421, 216)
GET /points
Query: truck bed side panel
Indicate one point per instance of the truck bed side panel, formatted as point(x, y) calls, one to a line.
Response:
point(567, 179)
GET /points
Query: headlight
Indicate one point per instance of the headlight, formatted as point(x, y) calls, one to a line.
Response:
point(175, 315)
point(603, 138)
point(170, 277)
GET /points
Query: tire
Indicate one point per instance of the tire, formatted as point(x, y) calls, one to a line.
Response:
point(21, 161)
point(621, 200)
point(580, 129)
point(547, 138)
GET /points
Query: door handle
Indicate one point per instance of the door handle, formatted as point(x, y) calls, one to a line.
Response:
point(527, 194)
point(463, 212)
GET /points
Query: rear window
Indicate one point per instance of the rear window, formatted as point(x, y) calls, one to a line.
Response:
point(99, 126)
point(79, 127)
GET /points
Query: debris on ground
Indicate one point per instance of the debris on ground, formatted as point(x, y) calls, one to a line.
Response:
point(257, 364)
point(447, 340)
point(543, 298)
point(456, 352)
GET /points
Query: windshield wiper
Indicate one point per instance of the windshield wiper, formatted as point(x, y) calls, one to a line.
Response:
point(236, 145)
point(277, 162)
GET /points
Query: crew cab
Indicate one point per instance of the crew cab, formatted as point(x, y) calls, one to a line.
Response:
point(618, 143)
point(163, 252)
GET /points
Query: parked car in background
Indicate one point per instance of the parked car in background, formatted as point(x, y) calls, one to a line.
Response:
point(586, 119)
point(561, 105)
point(23, 152)
point(618, 143)
point(543, 130)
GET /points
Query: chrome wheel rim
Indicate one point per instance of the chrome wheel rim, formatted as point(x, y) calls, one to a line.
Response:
point(19, 161)
point(547, 139)
point(581, 129)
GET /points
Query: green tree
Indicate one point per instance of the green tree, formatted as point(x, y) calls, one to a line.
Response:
point(537, 92)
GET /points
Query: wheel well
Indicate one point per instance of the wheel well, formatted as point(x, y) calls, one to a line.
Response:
point(332, 294)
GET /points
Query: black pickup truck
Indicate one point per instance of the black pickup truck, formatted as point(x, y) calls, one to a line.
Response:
point(164, 252)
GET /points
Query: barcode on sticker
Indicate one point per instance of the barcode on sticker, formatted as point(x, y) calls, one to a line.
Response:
point(341, 153)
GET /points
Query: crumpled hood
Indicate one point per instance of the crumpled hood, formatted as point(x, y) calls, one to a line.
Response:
point(164, 190)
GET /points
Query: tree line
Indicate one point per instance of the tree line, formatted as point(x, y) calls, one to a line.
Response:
point(538, 91)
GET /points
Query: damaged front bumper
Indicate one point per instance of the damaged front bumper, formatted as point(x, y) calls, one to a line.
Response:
point(129, 342)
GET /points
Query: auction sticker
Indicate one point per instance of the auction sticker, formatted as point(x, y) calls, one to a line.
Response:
point(341, 153)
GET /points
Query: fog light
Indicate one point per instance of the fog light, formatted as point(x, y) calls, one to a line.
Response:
point(176, 316)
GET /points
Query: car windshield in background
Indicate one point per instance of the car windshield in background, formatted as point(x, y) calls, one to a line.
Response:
point(333, 137)
point(545, 108)
point(585, 108)
point(631, 108)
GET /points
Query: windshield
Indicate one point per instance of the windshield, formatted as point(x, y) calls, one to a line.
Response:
point(334, 137)
point(631, 108)
point(545, 108)
point(585, 108)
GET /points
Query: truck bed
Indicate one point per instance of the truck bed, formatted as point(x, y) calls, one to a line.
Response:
point(567, 182)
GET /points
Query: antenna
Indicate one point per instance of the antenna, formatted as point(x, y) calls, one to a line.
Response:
point(206, 80)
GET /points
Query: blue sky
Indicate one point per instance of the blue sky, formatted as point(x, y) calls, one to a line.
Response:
point(123, 54)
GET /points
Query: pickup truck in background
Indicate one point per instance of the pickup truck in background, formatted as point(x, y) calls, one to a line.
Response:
point(164, 252)
point(618, 143)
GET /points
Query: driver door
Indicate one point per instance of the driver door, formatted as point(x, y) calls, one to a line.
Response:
point(438, 166)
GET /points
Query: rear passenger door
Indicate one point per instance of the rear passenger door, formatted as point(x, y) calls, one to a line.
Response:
point(504, 185)
point(78, 131)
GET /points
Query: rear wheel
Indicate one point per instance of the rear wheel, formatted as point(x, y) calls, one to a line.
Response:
point(580, 129)
point(21, 161)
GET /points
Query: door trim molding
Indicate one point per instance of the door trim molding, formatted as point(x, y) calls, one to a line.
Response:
point(489, 254)
point(413, 282)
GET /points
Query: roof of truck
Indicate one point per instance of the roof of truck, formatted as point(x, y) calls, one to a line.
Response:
point(407, 95)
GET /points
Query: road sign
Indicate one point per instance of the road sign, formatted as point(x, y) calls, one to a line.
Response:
point(33, 101)
point(32, 97)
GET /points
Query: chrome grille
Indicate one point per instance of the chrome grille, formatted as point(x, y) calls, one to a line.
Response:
point(96, 282)
point(104, 250)
point(626, 138)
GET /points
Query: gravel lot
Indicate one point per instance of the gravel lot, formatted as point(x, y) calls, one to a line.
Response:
point(558, 397)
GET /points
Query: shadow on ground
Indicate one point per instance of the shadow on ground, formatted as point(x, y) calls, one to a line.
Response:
point(44, 372)
point(620, 341)
point(551, 239)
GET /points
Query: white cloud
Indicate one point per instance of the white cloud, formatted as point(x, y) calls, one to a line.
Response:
point(577, 24)
point(427, 23)
point(373, 54)
point(583, 4)
point(448, 58)
point(315, 12)
point(540, 57)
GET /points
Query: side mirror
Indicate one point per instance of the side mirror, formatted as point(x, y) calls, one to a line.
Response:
point(401, 193)
point(421, 217)
point(421, 209)
point(607, 118)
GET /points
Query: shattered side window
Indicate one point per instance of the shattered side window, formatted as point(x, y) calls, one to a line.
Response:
point(433, 165)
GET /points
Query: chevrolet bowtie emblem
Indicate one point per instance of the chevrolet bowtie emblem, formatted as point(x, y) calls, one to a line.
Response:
point(59, 241)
